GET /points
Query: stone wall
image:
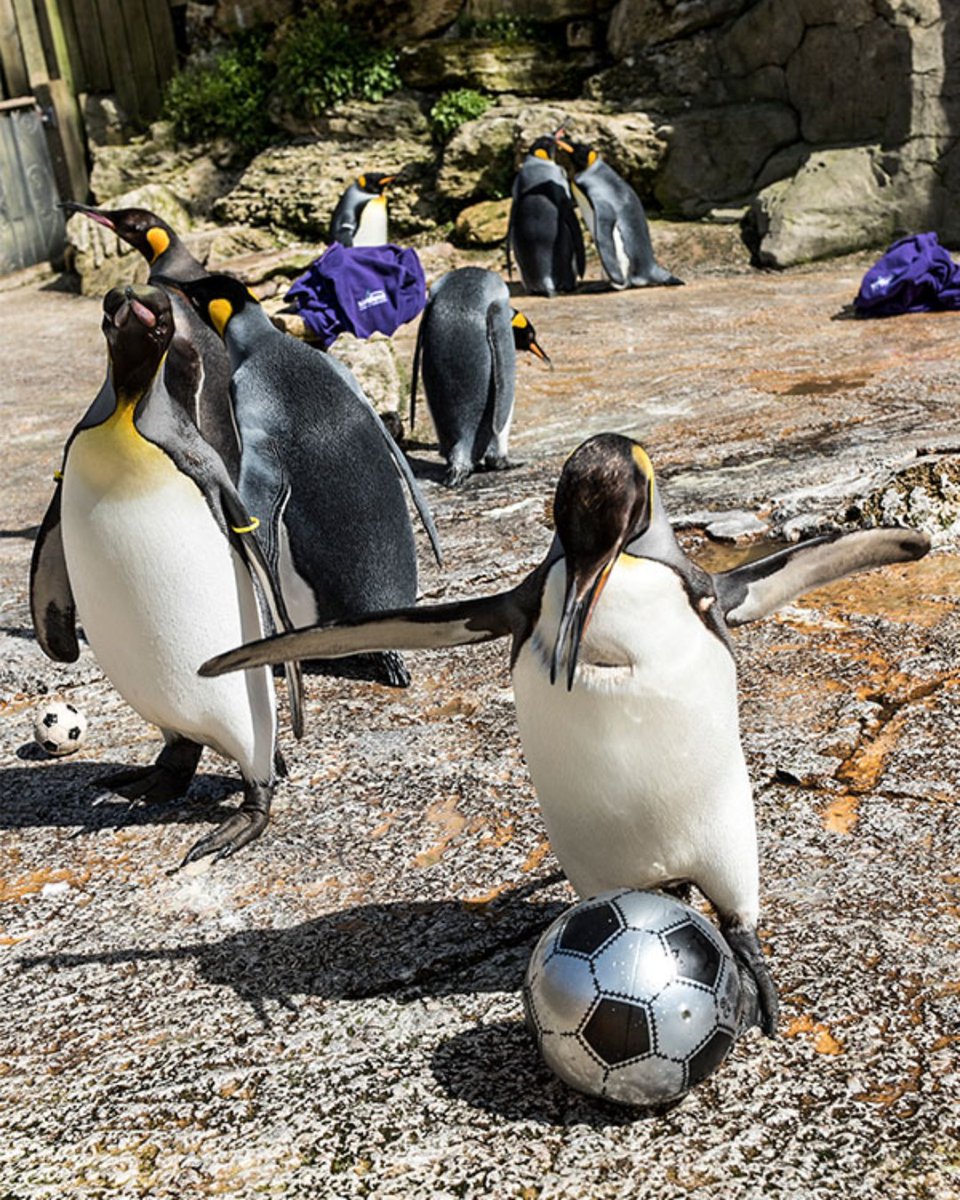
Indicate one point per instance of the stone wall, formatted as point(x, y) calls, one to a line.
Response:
point(831, 125)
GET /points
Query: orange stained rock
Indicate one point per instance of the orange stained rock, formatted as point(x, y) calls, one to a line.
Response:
point(481, 901)
point(823, 1040)
point(920, 593)
point(451, 823)
point(842, 814)
point(31, 884)
point(536, 857)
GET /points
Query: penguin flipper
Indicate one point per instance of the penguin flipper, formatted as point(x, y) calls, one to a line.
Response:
point(245, 542)
point(430, 627)
point(752, 591)
point(572, 222)
point(605, 238)
point(417, 354)
point(502, 358)
point(51, 597)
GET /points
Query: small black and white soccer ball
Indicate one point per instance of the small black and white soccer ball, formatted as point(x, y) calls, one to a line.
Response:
point(59, 727)
point(632, 996)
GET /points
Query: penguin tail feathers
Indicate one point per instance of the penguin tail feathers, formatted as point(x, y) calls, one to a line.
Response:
point(760, 587)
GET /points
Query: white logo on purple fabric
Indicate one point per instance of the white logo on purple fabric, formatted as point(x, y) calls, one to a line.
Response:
point(372, 299)
point(881, 282)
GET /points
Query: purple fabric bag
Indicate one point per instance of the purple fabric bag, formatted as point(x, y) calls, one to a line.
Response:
point(915, 275)
point(359, 290)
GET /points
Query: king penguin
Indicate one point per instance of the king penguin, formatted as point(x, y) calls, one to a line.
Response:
point(466, 343)
point(320, 471)
point(360, 218)
point(543, 231)
point(613, 213)
point(197, 368)
point(148, 542)
point(626, 687)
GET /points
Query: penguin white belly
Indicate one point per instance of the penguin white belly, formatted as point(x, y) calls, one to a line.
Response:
point(639, 769)
point(158, 590)
point(623, 258)
point(372, 226)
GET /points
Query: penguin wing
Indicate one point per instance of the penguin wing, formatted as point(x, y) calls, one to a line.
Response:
point(568, 212)
point(417, 355)
point(51, 597)
point(503, 359)
point(757, 588)
point(430, 627)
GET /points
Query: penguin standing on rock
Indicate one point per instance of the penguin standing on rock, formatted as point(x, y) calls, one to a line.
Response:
point(197, 369)
point(319, 470)
point(360, 218)
point(612, 211)
point(467, 343)
point(626, 687)
point(148, 542)
point(543, 232)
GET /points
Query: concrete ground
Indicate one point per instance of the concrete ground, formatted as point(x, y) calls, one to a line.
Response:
point(336, 1012)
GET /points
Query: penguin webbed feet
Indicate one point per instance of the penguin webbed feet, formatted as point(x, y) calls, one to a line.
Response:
point(500, 462)
point(167, 779)
point(759, 1003)
point(456, 474)
point(238, 830)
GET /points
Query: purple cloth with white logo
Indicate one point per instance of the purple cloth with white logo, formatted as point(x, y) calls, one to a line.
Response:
point(359, 290)
point(915, 275)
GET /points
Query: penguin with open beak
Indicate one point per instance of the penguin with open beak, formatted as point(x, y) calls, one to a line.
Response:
point(626, 687)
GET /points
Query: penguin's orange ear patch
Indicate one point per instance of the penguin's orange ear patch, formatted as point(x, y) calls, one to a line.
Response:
point(159, 241)
point(541, 154)
point(220, 311)
point(642, 460)
point(363, 182)
point(519, 321)
point(592, 158)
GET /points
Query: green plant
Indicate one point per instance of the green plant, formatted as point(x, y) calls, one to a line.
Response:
point(454, 108)
point(502, 28)
point(322, 61)
point(224, 96)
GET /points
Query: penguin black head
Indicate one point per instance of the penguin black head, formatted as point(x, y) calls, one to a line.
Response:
point(375, 182)
point(138, 326)
point(544, 147)
point(217, 298)
point(604, 500)
point(524, 336)
point(138, 227)
point(582, 155)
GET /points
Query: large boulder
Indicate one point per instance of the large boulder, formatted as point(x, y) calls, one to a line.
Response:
point(401, 20)
point(638, 24)
point(231, 16)
point(482, 157)
point(296, 187)
point(839, 201)
point(523, 68)
point(715, 155)
point(483, 224)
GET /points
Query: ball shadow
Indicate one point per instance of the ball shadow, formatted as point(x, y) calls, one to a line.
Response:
point(497, 1068)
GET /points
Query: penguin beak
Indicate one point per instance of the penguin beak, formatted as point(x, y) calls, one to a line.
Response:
point(583, 591)
point(538, 350)
point(564, 145)
point(71, 206)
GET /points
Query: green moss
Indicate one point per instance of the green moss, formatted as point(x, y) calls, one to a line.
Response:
point(224, 96)
point(322, 62)
point(454, 109)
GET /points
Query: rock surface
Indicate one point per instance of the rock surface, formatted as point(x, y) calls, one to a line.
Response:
point(336, 1011)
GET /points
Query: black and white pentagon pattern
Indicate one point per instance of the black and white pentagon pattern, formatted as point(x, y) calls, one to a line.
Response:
point(632, 996)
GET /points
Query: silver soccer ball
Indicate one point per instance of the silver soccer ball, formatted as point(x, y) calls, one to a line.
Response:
point(59, 727)
point(632, 996)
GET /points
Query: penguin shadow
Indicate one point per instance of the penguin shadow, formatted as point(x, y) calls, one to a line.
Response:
point(495, 1067)
point(586, 287)
point(65, 794)
point(29, 532)
point(846, 313)
point(17, 631)
point(407, 950)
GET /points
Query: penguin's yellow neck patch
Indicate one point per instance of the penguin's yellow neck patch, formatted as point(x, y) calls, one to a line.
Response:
point(159, 241)
point(220, 313)
point(114, 456)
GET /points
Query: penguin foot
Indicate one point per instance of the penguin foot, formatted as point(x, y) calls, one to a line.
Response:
point(377, 666)
point(165, 780)
point(238, 830)
point(759, 1003)
point(455, 476)
point(501, 463)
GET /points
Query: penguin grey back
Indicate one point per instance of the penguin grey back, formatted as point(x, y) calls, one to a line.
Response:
point(544, 234)
point(469, 364)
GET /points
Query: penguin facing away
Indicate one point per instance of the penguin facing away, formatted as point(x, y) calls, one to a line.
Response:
point(197, 368)
point(319, 470)
point(613, 213)
point(543, 231)
point(360, 218)
point(466, 344)
point(148, 542)
point(625, 687)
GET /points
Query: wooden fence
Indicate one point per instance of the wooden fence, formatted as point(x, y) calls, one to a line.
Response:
point(56, 50)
